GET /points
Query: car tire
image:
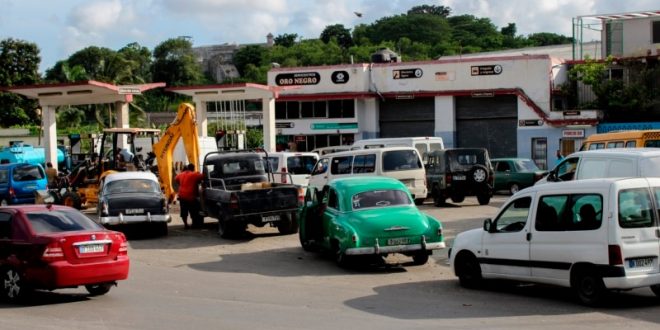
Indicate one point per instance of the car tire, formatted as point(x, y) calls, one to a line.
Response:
point(288, 225)
point(483, 199)
point(72, 199)
point(305, 243)
point(13, 286)
point(457, 198)
point(479, 174)
point(514, 188)
point(420, 258)
point(589, 287)
point(468, 270)
point(420, 201)
point(341, 259)
point(438, 200)
point(98, 289)
point(161, 229)
point(656, 289)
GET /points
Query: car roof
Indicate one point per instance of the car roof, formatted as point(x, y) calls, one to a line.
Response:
point(130, 175)
point(292, 153)
point(580, 185)
point(366, 151)
point(621, 151)
point(508, 158)
point(357, 184)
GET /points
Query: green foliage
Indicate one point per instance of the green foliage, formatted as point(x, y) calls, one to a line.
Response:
point(254, 138)
point(441, 11)
point(546, 39)
point(174, 63)
point(338, 32)
point(286, 40)
point(70, 117)
point(250, 54)
point(19, 63)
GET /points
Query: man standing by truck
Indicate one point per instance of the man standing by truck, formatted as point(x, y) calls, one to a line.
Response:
point(189, 181)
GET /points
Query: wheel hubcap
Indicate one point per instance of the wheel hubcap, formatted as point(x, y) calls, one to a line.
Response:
point(479, 175)
point(12, 286)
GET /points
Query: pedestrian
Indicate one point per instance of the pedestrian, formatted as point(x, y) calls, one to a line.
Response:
point(189, 181)
point(292, 145)
point(560, 157)
point(51, 174)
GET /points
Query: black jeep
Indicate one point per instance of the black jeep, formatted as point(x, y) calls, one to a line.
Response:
point(459, 172)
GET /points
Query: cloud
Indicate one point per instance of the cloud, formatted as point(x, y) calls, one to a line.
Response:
point(98, 16)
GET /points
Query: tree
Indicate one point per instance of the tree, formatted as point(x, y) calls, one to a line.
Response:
point(286, 40)
point(429, 29)
point(139, 61)
point(174, 63)
point(477, 34)
point(19, 64)
point(546, 39)
point(250, 54)
point(340, 33)
point(441, 11)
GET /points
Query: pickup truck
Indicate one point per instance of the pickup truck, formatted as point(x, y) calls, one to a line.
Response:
point(237, 190)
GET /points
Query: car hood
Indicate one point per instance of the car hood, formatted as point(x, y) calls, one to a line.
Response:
point(389, 222)
point(467, 239)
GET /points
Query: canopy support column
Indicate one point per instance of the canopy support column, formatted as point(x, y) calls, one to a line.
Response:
point(202, 118)
point(121, 114)
point(49, 122)
point(268, 109)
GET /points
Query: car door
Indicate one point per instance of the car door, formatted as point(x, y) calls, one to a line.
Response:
point(5, 236)
point(505, 245)
point(502, 174)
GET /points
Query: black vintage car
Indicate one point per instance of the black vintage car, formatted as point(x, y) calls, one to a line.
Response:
point(132, 198)
point(458, 172)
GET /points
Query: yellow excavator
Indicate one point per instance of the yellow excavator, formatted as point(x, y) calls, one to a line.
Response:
point(183, 127)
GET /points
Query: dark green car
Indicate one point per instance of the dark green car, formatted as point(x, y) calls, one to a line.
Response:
point(367, 216)
point(514, 174)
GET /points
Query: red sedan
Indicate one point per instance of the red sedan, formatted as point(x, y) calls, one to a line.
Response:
point(53, 247)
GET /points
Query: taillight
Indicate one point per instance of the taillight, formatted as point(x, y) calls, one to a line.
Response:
point(614, 252)
point(283, 175)
point(53, 252)
point(123, 246)
point(301, 196)
point(448, 179)
point(233, 202)
point(12, 192)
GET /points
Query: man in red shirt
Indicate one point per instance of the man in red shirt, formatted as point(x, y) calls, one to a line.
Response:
point(188, 181)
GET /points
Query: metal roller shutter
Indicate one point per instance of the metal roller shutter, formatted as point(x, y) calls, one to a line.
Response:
point(404, 118)
point(490, 123)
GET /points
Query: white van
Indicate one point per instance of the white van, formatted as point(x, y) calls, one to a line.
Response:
point(591, 235)
point(297, 165)
point(606, 163)
point(328, 150)
point(423, 144)
point(402, 163)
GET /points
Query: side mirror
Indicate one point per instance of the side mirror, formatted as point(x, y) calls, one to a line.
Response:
point(488, 223)
point(552, 176)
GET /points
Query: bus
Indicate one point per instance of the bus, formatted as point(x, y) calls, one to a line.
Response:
point(623, 139)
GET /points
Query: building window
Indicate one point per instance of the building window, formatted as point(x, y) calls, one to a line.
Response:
point(307, 109)
point(292, 110)
point(315, 109)
point(341, 109)
point(319, 109)
point(540, 152)
point(280, 110)
point(656, 32)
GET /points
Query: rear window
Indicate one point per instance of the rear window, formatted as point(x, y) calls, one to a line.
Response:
point(274, 164)
point(56, 221)
point(380, 198)
point(132, 186)
point(635, 208)
point(461, 159)
point(401, 160)
point(228, 168)
point(4, 178)
point(301, 164)
point(28, 173)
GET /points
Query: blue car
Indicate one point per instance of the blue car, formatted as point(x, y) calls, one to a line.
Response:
point(19, 181)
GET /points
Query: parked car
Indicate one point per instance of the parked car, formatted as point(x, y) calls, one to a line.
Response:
point(367, 216)
point(328, 150)
point(458, 172)
point(423, 144)
point(292, 166)
point(19, 181)
point(131, 198)
point(51, 247)
point(514, 174)
point(591, 235)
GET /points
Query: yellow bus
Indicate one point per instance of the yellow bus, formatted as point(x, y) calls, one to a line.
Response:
point(623, 139)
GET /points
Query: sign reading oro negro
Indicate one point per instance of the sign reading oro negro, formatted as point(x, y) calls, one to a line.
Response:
point(298, 78)
point(407, 73)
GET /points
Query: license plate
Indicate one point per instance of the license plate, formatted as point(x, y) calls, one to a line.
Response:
point(92, 248)
point(398, 241)
point(134, 211)
point(270, 218)
point(30, 187)
point(640, 262)
point(458, 177)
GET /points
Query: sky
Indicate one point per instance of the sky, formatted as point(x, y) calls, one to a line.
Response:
point(62, 27)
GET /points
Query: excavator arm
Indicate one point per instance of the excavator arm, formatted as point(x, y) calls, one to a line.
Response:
point(184, 126)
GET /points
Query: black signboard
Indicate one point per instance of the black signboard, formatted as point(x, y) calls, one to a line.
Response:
point(339, 77)
point(407, 73)
point(284, 125)
point(530, 122)
point(485, 70)
point(298, 78)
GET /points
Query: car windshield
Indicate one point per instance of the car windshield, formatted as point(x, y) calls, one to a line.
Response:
point(301, 164)
point(380, 198)
point(28, 173)
point(55, 221)
point(132, 186)
point(526, 165)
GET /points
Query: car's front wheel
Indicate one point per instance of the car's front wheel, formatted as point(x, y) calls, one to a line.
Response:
point(72, 199)
point(98, 289)
point(656, 289)
point(483, 199)
point(468, 270)
point(514, 188)
point(456, 198)
point(420, 258)
point(438, 199)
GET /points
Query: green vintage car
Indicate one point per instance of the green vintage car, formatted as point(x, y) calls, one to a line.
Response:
point(514, 174)
point(367, 216)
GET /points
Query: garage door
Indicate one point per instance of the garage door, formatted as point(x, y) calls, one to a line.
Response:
point(404, 118)
point(489, 123)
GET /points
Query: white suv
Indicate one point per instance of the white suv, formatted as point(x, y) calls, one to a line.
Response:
point(591, 235)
